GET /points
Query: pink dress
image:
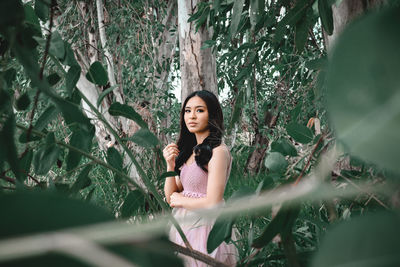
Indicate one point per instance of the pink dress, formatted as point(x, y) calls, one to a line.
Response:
point(194, 182)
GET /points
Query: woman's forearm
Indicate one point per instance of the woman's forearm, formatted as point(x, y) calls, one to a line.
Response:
point(169, 188)
point(191, 203)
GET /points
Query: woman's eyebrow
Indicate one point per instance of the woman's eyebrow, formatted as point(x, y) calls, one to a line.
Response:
point(195, 107)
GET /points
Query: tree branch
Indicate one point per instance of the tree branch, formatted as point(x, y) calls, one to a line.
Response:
point(46, 52)
point(309, 160)
point(197, 255)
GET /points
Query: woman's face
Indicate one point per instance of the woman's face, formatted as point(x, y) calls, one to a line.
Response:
point(196, 115)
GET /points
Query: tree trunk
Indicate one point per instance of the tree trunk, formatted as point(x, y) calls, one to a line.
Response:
point(197, 66)
point(164, 49)
point(260, 142)
point(120, 124)
point(344, 13)
point(124, 127)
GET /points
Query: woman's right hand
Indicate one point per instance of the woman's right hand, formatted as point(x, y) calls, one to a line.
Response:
point(170, 152)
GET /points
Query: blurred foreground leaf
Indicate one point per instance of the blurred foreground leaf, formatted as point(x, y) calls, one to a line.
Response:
point(132, 203)
point(37, 212)
point(363, 88)
point(368, 241)
point(282, 224)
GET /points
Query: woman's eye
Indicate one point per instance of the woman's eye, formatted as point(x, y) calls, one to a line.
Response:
point(200, 110)
point(187, 111)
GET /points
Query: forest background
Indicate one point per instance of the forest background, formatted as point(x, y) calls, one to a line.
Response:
point(310, 94)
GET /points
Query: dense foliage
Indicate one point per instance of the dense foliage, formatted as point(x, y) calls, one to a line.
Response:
point(314, 134)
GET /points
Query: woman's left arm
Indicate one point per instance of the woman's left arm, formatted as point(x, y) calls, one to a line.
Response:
point(217, 168)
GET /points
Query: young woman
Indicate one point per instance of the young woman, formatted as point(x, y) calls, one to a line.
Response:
point(203, 163)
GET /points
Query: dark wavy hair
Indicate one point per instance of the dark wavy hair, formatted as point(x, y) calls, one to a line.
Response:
point(187, 141)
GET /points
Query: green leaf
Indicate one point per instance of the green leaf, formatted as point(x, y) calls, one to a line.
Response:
point(363, 93)
point(31, 18)
point(281, 224)
point(242, 192)
point(143, 137)
point(11, 12)
point(82, 181)
point(47, 156)
point(291, 18)
point(160, 115)
point(196, 15)
point(203, 18)
point(366, 241)
point(71, 112)
point(47, 116)
point(236, 15)
point(45, 212)
point(284, 147)
point(220, 232)
point(301, 33)
point(42, 10)
point(23, 137)
point(72, 78)
point(53, 79)
point(167, 174)
point(132, 203)
point(89, 196)
point(268, 183)
point(208, 44)
point(23, 102)
point(276, 162)
point(8, 145)
point(25, 164)
point(69, 56)
point(82, 140)
point(325, 13)
point(114, 158)
point(57, 45)
point(104, 93)
point(97, 74)
point(118, 109)
point(300, 133)
point(9, 76)
point(55, 212)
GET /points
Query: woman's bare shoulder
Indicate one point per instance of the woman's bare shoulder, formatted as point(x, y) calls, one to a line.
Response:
point(222, 151)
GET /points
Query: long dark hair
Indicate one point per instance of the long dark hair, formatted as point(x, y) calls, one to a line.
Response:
point(187, 141)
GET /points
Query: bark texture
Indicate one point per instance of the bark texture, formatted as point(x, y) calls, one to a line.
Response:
point(346, 12)
point(261, 142)
point(119, 124)
point(198, 66)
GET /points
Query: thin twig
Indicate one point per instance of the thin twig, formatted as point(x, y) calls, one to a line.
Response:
point(33, 178)
point(197, 255)
point(370, 194)
point(309, 160)
point(8, 179)
point(46, 52)
point(250, 257)
point(314, 40)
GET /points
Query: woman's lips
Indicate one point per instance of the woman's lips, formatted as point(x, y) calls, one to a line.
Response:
point(192, 124)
